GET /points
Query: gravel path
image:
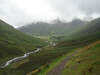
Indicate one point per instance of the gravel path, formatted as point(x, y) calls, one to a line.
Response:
point(59, 68)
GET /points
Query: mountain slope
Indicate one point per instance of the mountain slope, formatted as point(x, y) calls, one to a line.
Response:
point(14, 43)
point(90, 29)
point(57, 27)
point(41, 60)
point(85, 62)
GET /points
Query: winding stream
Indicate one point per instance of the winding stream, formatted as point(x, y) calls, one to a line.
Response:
point(19, 58)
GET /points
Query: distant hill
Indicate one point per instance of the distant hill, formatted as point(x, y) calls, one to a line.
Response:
point(57, 27)
point(80, 41)
point(90, 29)
point(14, 43)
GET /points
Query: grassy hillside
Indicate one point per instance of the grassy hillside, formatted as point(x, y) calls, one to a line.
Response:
point(43, 58)
point(85, 62)
point(37, 62)
point(14, 43)
point(79, 41)
point(90, 29)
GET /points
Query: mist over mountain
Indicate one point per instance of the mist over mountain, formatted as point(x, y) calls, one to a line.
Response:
point(49, 37)
point(90, 29)
point(76, 34)
point(56, 27)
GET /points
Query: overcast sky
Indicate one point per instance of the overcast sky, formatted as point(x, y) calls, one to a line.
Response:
point(20, 12)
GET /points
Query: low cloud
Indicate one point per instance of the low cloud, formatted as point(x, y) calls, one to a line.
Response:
point(20, 12)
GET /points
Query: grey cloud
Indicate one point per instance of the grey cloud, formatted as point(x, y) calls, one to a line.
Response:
point(74, 8)
point(77, 8)
point(89, 6)
point(12, 14)
point(66, 9)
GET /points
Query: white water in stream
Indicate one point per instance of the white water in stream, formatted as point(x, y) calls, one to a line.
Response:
point(19, 58)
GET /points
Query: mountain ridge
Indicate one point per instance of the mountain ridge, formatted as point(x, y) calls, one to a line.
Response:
point(57, 28)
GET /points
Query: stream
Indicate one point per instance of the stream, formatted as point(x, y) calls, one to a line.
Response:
point(19, 58)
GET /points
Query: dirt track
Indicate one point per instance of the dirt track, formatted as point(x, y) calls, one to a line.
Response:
point(59, 68)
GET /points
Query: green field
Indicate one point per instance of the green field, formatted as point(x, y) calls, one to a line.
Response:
point(85, 62)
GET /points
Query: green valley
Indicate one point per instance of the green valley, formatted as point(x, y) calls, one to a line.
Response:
point(81, 42)
point(14, 43)
point(49, 37)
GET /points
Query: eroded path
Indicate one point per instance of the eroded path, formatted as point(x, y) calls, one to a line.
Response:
point(59, 68)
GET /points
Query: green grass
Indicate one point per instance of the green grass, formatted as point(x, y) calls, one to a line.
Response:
point(85, 62)
point(43, 37)
point(47, 56)
point(53, 64)
point(14, 43)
